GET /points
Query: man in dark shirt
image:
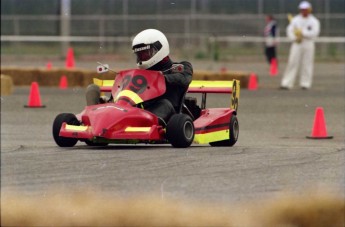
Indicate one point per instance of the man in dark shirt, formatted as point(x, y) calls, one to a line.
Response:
point(271, 35)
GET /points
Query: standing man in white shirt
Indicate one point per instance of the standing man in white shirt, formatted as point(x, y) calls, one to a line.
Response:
point(302, 30)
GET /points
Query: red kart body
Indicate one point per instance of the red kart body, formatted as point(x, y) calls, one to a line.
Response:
point(124, 121)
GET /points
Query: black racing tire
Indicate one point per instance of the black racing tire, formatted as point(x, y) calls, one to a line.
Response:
point(93, 144)
point(233, 134)
point(180, 130)
point(70, 119)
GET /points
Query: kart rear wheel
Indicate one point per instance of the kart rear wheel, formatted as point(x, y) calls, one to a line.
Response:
point(233, 136)
point(59, 120)
point(180, 131)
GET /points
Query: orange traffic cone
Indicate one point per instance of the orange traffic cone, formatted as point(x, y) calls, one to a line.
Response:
point(63, 82)
point(34, 97)
point(274, 67)
point(319, 130)
point(49, 65)
point(253, 82)
point(70, 58)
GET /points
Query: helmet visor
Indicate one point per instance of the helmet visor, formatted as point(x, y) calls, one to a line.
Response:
point(144, 52)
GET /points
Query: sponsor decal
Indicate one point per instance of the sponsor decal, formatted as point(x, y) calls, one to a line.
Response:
point(177, 68)
point(142, 48)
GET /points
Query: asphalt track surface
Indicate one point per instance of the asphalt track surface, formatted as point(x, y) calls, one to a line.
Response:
point(272, 154)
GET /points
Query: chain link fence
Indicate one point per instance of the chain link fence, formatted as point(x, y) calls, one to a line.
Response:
point(217, 29)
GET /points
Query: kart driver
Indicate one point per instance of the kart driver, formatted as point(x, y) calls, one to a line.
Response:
point(151, 48)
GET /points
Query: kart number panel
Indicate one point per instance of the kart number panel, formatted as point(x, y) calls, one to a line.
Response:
point(137, 85)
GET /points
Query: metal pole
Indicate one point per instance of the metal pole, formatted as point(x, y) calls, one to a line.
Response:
point(65, 13)
point(125, 17)
point(260, 7)
point(327, 17)
point(192, 24)
point(327, 11)
point(260, 13)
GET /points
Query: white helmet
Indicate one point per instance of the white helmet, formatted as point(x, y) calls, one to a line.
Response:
point(150, 47)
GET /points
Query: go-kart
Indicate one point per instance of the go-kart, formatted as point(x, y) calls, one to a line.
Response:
point(124, 121)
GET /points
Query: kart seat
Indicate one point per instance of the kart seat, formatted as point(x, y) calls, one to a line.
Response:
point(187, 107)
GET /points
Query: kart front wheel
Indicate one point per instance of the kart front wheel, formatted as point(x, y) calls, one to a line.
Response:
point(180, 131)
point(59, 120)
point(233, 134)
